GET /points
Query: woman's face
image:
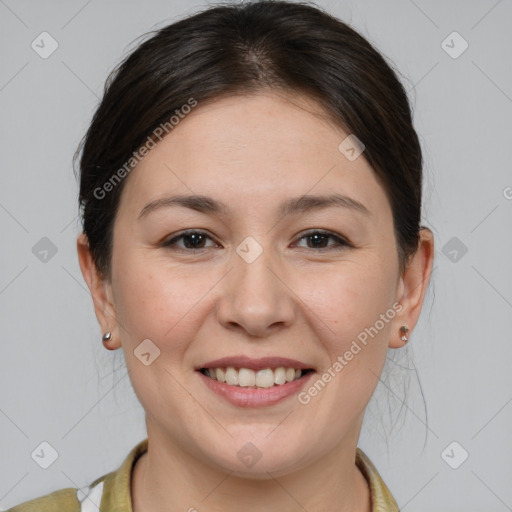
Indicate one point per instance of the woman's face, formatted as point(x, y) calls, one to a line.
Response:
point(255, 282)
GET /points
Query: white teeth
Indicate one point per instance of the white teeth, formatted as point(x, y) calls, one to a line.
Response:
point(280, 375)
point(265, 378)
point(231, 376)
point(245, 377)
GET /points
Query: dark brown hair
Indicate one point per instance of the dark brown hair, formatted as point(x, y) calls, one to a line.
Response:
point(243, 49)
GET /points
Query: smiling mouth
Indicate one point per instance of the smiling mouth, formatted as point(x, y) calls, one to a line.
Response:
point(247, 378)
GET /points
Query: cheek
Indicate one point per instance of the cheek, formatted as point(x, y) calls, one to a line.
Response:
point(348, 305)
point(158, 302)
point(162, 305)
point(345, 310)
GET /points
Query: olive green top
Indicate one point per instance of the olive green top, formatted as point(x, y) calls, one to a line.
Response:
point(111, 492)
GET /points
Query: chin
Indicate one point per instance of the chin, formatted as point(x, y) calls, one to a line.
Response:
point(256, 459)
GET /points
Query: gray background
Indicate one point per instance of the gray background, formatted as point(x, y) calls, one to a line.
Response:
point(59, 385)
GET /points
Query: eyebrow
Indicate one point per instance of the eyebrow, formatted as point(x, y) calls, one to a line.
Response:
point(205, 204)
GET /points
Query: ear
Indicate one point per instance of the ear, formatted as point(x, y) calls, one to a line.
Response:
point(101, 291)
point(412, 287)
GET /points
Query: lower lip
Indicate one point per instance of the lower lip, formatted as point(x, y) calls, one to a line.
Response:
point(255, 397)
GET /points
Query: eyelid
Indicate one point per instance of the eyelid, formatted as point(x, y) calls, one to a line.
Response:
point(172, 241)
point(340, 240)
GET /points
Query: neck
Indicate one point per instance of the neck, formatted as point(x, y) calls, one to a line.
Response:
point(167, 478)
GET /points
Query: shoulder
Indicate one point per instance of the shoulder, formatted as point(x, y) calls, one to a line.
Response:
point(382, 499)
point(86, 499)
point(110, 491)
point(64, 500)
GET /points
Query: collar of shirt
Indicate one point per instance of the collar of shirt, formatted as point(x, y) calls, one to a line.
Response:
point(112, 492)
point(116, 494)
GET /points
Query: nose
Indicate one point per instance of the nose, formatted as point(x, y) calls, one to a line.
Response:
point(256, 299)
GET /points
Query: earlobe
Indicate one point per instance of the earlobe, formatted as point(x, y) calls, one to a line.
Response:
point(412, 288)
point(100, 290)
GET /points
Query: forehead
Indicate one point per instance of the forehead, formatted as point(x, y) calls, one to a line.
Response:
point(252, 151)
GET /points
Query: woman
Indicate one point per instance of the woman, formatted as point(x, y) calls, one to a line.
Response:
point(250, 189)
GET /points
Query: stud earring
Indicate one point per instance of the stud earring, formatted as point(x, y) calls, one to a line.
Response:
point(107, 337)
point(404, 330)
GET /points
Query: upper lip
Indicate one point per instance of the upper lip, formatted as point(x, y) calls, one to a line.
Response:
point(255, 364)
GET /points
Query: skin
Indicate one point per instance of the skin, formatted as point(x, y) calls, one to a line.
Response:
point(295, 300)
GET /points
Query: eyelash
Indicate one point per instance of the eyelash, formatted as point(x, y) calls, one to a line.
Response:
point(340, 242)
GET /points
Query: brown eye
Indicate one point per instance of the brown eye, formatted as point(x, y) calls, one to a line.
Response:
point(191, 240)
point(320, 240)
